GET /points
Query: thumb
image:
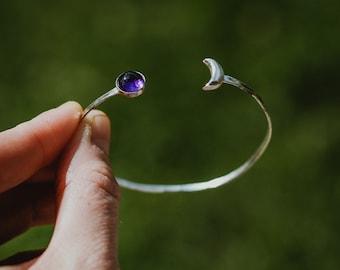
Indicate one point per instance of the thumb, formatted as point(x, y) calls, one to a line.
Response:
point(85, 235)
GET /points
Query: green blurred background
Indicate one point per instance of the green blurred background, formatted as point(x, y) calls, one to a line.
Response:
point(283, 214)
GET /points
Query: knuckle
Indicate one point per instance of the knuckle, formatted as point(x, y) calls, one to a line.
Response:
point(101, 179)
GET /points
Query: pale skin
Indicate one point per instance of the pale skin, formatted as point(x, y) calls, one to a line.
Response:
point(54, 169)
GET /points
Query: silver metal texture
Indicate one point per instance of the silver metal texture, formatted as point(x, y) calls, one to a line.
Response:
point(114, 91)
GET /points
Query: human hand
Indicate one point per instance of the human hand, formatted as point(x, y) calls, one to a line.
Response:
point(55, 170)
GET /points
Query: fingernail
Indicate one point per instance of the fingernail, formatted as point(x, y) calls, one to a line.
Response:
point(101, 130)
point(72, 105)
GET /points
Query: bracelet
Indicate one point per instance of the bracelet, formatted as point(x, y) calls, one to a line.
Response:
point(132, 84)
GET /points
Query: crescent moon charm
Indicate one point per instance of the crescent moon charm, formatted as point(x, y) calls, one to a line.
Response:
point(217, 74)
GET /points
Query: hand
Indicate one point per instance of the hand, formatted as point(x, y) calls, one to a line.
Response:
point(55, 169)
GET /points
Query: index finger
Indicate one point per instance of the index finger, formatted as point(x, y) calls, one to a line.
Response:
point(34, 144)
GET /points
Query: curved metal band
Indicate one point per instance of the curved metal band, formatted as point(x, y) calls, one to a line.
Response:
point(217, 79)
point(114, 91)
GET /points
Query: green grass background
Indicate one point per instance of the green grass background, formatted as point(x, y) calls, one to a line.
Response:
point(283, 214)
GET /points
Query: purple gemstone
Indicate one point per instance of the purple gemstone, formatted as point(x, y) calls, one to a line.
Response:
point(131, 82)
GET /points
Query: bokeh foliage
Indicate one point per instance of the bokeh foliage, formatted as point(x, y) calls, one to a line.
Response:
point(283, 214)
